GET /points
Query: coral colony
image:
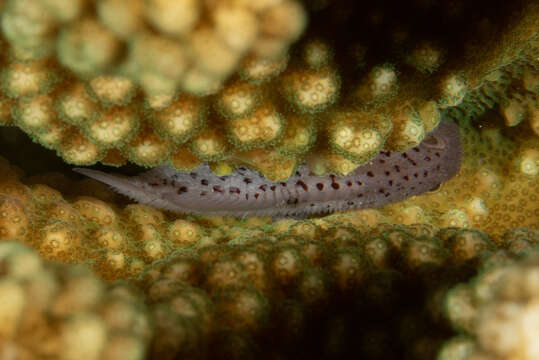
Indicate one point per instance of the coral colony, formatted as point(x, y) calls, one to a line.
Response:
point(303, 179)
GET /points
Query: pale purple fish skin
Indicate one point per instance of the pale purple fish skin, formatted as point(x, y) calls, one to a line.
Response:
point(390, 177)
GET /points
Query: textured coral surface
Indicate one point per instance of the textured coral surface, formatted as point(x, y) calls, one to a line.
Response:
point(266, 84)
point(498, 311)
point(183, 82)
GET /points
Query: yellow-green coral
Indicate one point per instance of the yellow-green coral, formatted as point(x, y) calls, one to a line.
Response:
point(66, 312)
point(497, 311)
point(182, 82)
point(207, 279)
point(91, 81)
point(202, 282)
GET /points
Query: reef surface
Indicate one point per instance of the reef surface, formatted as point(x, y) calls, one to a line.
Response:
point(266, 86)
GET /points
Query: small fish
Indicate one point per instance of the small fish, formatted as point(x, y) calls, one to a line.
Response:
point(390, 177)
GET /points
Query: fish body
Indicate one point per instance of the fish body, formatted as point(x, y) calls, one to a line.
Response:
point(390, 177)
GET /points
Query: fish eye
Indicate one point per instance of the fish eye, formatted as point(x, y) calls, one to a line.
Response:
point(433, 141)
point(435, 188)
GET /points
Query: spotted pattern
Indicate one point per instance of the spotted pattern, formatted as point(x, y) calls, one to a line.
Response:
point(388, 178)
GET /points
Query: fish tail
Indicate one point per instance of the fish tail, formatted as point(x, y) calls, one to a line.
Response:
point(120, 184)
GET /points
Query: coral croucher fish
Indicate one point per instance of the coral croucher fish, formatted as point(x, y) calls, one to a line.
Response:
point(390, 177)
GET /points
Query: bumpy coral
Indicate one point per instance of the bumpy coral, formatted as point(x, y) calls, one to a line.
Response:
point(66, 312)
point(219, 287)
point(512, 90)
point(181, 82)
point(153, 82)
point(190, 45)
point(498, 311)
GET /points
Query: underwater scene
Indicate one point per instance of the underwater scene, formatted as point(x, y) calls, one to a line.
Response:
point(269, 179)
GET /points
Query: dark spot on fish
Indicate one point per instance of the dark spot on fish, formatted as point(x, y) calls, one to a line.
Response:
point(437, 154)
point(182, 189)
point(247, 180)
point(234, 190)
point(350, 203)
point(416, 149)
point(154, 184)
point(359, 183)
point(292, 201)
point(370, 174)
point(406, 178)
point(360, 195)
point(404, 155)
point(397, 168)
point(298, 173)
point(390, 182)
point(320, 186)
point(425, 173)
point(246, 196)
point(334, 184)
point(222, 178)
point(262, 187)
point(382, 161)
point(387, 173)
point(202, 193)
point(256, 196)
point(204, 182)
point(349, 183)
point(193, 175)
point(428, 158)
point(283, 184)
point(218, 189)
point(437, 167)
point(303, 185)
point(415, 175)
point(273, 187)
point(164, 181)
